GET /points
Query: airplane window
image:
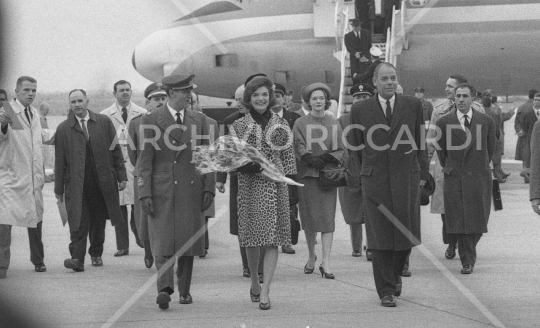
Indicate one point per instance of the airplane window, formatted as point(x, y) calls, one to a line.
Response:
point(213, 8)
point(228, 60)
point(284, 77)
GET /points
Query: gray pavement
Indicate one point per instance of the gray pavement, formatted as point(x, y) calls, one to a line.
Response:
point(505, 280)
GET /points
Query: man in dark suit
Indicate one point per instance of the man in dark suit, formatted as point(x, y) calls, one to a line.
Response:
point(290, 117)
point(90, 175)
point(156, 97)
point(496, 114)
point(358, 43)
point(467, 176)
point(527, 106)
point(534, 191)
point(391, 169)
point(171, 191)
point(527, 123)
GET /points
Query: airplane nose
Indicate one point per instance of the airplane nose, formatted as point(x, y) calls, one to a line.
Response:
point(133, 60)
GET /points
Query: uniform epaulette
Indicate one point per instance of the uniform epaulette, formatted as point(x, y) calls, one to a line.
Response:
point(138, 115)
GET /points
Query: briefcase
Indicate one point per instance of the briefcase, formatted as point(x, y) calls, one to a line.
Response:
point(497, 201)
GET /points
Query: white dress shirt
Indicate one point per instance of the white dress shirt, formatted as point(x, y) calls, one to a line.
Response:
point(461, 117)
point(173, 113)
point(280, 113)
point(382, 101)
point(306, 112)
point(86, 118)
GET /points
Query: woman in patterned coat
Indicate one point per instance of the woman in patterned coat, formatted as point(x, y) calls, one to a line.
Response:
point(263, 205)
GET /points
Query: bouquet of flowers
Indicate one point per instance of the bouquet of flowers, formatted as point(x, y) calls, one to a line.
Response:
point(229, 153)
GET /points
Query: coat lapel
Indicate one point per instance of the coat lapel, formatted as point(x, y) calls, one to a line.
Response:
point(77, 127)
point(116, 114)
point(165, 120)
point(376, 110)
point(474, 124)
point(189, 121)
point(397, 113)
point(457, 130)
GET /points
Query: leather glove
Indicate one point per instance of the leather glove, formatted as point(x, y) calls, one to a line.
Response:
point(318, 163)
point(250, 167)
point(327, 158)
point(308, 159)
point(207, 200)
point(147, 205)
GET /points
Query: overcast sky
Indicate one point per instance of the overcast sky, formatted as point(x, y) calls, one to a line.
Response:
point(67, 44)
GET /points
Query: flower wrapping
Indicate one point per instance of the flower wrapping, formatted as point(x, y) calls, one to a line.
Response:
point(228, 153)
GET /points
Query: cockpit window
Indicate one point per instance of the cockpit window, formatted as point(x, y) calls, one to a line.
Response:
point(213, 8)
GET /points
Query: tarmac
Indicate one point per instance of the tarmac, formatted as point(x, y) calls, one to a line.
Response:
point(503, 290)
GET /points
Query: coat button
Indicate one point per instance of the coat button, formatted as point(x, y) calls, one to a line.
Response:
point(174, 162)
point(176, 182)
point(191, 182)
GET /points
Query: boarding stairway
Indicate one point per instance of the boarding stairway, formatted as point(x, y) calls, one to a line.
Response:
point(396, 42)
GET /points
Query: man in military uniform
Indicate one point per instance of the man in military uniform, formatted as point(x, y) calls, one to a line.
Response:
point(440, 110)
point(351, 207)
point(172, 192)
point(367, 76)
point(156, 97)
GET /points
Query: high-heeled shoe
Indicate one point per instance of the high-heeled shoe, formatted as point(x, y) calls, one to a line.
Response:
point(264, 306)
point(308, 270)
point(254, 297)
point(325, 274)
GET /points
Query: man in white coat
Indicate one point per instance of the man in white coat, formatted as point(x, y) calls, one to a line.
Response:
point(121, 113)
point(21, 174)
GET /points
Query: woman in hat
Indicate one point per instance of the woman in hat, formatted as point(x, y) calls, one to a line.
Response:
point(318, 144)
point(263, 205)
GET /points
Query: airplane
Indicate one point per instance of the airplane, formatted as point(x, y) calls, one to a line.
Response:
point(299, 42)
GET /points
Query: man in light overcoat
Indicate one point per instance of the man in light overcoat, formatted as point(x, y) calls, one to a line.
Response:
point(121, 113)
point(171, 191)
point(467, 146)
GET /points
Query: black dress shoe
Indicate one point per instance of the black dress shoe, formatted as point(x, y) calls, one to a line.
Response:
point(186, 299)
point(204, 255)
point(450, 252)
point(467, 269)
point(97, 261)
point(40, 267)
point(122, 252)
point(74, 264)
point(388, 301)
point(255, 297)
point(148, 261)
point(246, 273)
point(406, 273)
point(163, 300)
point(368, 255)
point(325, 274)
point(287, 249)
point(357, 253)
point(506, 175)
point(264, 306)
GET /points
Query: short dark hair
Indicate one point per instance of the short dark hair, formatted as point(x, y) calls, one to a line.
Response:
point(459, 78)
point(2, 91)
point(387, 64)
point(75, 90)
point(21, 79)
point(466, 86)
point(121, 82)
point(253, 85)
point(532, 92)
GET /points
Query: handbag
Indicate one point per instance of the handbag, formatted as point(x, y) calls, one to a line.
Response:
point(496, 192)
point(295, 224)
point(332, 178)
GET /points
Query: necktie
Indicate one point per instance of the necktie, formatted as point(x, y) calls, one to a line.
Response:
point(467, 123)
point(28, 114)
point(358, 35)
point(178, 119)
point(538, 113)
point(388, 112)
point(124, 114)
point(85, 131)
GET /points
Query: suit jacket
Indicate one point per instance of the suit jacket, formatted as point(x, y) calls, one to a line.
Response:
point(527, 123)
point(70, 163)
point(390, 176)
point(467, 174)
point(290, 117)
point(367, 76)
point(167, 175)
point(362, 45)
point(126, 196)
